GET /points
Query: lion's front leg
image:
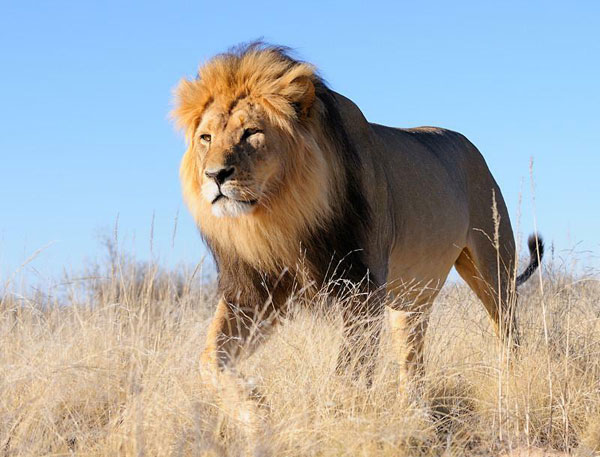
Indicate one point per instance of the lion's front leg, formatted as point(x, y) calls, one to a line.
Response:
point(234, 332)
point(222, 342)
point(360, 347)
point(362, 325)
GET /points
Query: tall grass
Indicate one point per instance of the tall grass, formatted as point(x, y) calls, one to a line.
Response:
point(110, 366)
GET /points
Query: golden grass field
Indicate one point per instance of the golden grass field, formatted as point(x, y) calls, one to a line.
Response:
point(108, 365)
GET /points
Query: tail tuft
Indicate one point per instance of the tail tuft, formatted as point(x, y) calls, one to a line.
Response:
point(536, 252)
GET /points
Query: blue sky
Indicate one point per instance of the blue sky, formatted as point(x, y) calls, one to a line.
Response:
point(85, 92)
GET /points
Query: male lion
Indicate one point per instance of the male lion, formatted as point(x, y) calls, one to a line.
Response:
point(289, 184)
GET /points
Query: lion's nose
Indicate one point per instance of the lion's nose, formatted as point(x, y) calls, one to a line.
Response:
point(220, 175)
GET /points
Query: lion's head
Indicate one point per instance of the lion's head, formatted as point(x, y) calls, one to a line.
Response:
point(257, 174)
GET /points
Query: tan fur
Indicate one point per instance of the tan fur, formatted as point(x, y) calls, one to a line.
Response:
point(426, 198)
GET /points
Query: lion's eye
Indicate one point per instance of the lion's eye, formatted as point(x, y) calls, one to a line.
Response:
point(249, 132)
point(205, 137)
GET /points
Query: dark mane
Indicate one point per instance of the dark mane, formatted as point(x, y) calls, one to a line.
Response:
point(339, 245)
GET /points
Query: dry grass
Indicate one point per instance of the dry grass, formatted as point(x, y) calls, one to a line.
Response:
point(110, 367)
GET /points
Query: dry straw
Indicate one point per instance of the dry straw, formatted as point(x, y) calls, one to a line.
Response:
point(110, 367)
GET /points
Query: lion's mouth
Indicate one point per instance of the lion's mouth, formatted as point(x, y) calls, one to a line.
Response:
point(245, 202)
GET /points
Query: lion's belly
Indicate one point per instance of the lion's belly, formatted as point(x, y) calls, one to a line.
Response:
point(425, 251)
point(415, 273)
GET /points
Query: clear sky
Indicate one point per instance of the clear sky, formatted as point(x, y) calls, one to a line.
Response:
point(86, 87)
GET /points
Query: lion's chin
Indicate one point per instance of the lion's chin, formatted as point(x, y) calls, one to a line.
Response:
point(227, 207)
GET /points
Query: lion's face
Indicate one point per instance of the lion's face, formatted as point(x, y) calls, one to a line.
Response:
point(241, 156)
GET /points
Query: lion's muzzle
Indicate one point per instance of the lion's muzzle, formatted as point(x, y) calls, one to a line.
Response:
point(227, 198)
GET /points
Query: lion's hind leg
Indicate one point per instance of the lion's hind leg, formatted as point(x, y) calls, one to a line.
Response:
point(492, 284)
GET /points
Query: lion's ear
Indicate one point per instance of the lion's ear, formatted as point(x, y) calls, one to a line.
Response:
point(301, 94)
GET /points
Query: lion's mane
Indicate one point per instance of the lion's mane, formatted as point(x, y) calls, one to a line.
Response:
point(320, 215)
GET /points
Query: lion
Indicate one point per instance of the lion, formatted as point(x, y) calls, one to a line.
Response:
point(289, 183)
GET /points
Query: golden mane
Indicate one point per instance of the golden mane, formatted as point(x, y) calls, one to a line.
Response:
point(272, 237)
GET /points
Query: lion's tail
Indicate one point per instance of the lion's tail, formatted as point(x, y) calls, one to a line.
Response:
point(536, 252)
